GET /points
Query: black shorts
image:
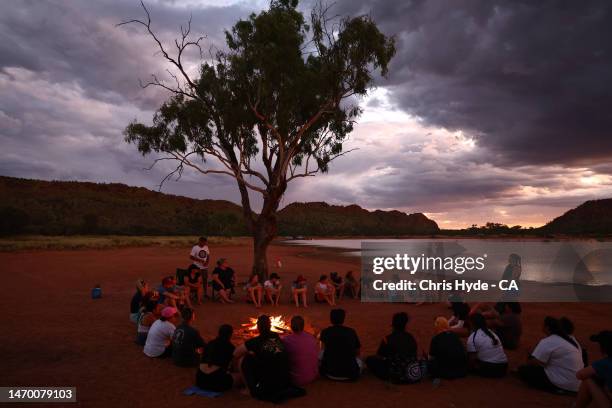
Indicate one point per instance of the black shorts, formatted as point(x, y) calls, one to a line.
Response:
point(217, 381)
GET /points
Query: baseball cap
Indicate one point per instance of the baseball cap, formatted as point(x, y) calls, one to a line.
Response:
point(168, 312)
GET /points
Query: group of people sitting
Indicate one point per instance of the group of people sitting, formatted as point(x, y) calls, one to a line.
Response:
point(272, 367)
point(327, 289)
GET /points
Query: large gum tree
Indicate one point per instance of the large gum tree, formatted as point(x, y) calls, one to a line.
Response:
point(272, 107)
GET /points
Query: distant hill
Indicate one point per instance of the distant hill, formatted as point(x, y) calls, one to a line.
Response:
point(591, 217)
point(69, 208)
point(322, 219)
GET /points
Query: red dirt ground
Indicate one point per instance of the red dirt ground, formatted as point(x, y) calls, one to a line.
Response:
point(54, 334)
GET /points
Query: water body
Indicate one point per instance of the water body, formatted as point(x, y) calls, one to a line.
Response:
point(586, 262)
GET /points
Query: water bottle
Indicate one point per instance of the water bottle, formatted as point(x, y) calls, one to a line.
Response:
point(96, 292)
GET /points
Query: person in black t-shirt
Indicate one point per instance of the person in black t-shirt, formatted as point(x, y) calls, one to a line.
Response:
point(447, 356)
point(213, 373)
point(265, 362)
point(399, 345)
point(341, 348)
point(192, 280)
point(223, 280)
point(187, 344)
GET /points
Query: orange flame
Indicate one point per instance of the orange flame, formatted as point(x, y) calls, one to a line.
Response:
point(277, 322)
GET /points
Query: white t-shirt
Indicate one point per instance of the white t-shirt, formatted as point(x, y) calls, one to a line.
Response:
point(561, 361)
point(201, 254)
point(269, 284)
point(159, 337)
point(485, 350)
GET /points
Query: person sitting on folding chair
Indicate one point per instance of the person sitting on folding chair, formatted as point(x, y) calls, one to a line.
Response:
point(223, 281)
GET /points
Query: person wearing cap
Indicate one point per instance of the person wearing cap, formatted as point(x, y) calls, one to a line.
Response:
point(159, 338)
point(273, 288)
point(142, 287)
point(596, 380)
point(223, 281)
point(168, 295)
point(447, 356)
point(299, 290)
point(200, 256)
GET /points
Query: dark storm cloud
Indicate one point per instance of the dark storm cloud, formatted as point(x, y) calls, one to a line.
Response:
point(531, 80)
point(79, 42)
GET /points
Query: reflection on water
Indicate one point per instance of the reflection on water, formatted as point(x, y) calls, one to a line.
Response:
point(583, 262)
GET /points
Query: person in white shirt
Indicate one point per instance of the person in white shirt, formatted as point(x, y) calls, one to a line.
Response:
point(553, 364)
point(159, 338)
point(325, 291)
point(485, 350)
point(273, 288)
point(200, 256)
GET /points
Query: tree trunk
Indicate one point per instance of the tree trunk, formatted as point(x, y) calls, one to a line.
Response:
point(264, 232)
point(264, 229)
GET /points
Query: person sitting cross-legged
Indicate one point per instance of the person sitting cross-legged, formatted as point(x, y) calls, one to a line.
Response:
point(447, 356)
point(397, 349)
point(150, 313)
point(485, 351)
point(187, 344)
point(223, 281)
point(264, 365)
point(341, 347)
point(553, 364)
point(303, 353)
point(214, 371)
point(159, 338)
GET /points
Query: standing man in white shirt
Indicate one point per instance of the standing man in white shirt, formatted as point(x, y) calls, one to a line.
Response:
point(200, 256)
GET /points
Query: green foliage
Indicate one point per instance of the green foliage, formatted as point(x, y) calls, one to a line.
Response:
point(13, 220)
point(72, 208)
point(276, 93)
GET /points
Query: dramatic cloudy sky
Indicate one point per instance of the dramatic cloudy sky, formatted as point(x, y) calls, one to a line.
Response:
point(493, 111)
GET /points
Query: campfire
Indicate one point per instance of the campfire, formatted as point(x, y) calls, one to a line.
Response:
point(278, 325)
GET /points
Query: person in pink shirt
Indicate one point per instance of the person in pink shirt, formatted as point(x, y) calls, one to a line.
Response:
point(303, 353)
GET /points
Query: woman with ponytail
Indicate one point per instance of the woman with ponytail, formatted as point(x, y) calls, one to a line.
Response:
point(553, 364)
point(485, 350)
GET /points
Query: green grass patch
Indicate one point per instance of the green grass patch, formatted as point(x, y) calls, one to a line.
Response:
point(42, 242)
